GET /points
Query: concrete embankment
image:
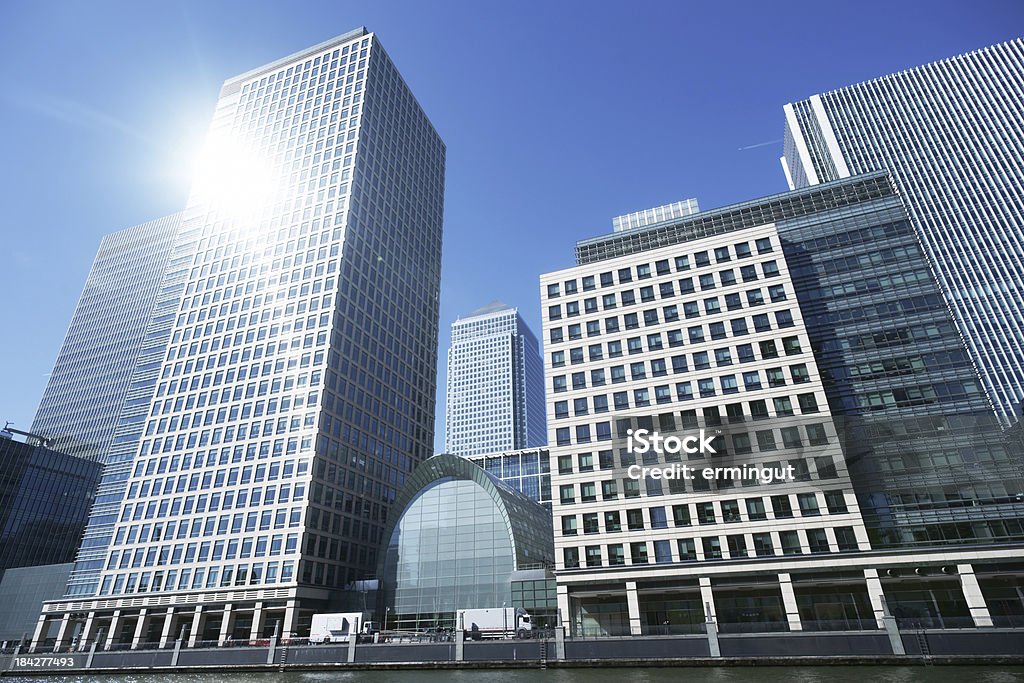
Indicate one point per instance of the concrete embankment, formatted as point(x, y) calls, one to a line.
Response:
point(967, 646)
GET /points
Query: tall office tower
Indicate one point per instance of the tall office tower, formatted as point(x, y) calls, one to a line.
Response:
point(495, 398)
point(296, 391)
point(804, 330)
point(951, 135)
point(79, 409)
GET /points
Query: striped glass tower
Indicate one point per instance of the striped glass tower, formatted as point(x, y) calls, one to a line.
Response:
point(92, 373)
point(951, 135)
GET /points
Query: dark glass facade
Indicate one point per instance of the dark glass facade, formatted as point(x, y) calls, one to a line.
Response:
point(925, 451)
point(45, 498)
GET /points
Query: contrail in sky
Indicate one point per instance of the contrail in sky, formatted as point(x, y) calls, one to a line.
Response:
point(760, 144)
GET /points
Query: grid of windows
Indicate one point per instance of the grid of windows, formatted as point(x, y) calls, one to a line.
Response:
point(899, 367)
point(295, 392)
point(527, 471)
point(703, 334)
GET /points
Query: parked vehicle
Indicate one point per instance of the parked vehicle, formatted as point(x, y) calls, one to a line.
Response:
point(495, 622)
point(338, 628)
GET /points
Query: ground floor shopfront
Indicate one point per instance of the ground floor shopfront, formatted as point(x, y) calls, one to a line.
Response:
point(926, 590)
point(194, 618)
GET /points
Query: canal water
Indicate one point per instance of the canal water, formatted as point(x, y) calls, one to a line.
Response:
point(752, 674)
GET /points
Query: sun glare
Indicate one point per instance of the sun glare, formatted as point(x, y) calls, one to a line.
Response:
point(232, 178)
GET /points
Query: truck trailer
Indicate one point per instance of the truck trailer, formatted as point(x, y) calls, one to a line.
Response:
point(494, 622)
point(338, 628)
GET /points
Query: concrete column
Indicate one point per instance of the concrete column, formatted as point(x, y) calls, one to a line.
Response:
point(177, 647)
point(289, 619)
point(876, 596)
point(115, 627)
point(711, 629)
point(140, 628)
point(633, 605)
point(39, 634)
point(87, 635)
point(565, 616)
point(460, 639)
point(975, 598)
point(225, 624)
point(92, 653)
point(353, 638)
point(272, 649)
point(165, 634)
point(707, 596)
point(559, 636)
point(789, 602)
point(257, 622)
point(881, 610)
point(62, 632)
point(197, 622)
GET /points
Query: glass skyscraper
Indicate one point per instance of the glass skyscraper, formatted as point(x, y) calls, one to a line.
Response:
point(495, 397)
point(951, 135)
point(79, 409)
point(294, 394)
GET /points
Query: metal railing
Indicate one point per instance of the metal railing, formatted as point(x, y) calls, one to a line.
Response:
point(674, 629)
point(753, 627)
point(840, 625)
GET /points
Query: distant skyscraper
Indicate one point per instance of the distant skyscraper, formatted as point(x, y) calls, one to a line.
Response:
point(296, 391)
point(951, 135)
point(79, 409)
point(495, 384)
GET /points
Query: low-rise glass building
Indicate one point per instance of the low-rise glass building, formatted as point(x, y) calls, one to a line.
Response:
point(457, 539)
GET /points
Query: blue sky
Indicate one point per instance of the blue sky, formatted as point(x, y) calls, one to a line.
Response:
point(557, 116)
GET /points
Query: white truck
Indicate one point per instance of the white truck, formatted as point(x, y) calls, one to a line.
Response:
point(494, 622)
point(338, 628)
